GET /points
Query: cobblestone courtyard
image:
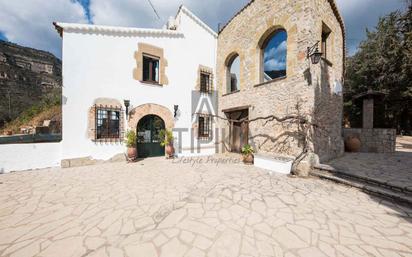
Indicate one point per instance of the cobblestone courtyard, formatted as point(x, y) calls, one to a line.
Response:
point(160, 208)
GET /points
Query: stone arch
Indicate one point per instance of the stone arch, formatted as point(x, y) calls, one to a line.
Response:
point(273, 25)
point(267, 35)
point(146, 109)
point(263, 43)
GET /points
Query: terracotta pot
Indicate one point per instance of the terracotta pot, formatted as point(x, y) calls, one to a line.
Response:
point(131, 153)
point(170, 151)
point(9, 132)
point(352, 144)
point(248, 159)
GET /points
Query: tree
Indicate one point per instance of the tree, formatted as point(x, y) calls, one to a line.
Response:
point(384, 63)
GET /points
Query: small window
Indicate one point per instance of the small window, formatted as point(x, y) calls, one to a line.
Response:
point(325, 40)
point(205, 124)
point(233, 79)
point(205, 82)
point(150, 69)
point(107, 124)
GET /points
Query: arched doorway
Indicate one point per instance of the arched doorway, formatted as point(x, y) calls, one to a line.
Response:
point(148, 142)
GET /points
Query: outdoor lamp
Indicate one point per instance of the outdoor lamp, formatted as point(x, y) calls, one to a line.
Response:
point(313, 53)
point(127, 104)
point(176, 107)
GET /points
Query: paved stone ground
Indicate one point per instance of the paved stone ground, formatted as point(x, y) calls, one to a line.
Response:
point(394, 169)
point(157, 208)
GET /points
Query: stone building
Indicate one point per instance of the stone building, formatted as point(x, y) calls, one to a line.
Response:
point(263, 69)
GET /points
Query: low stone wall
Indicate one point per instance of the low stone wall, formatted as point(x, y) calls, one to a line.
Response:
point(374, 140)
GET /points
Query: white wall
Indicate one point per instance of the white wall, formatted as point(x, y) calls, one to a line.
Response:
point(98, 65)
point(16, 157)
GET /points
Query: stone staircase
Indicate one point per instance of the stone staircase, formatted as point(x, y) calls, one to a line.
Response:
point(367, 184)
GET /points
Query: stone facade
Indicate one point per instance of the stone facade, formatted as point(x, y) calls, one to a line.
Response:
point(307, 89)
point(373, 140)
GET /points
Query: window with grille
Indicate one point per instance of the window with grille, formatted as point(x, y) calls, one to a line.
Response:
point(205, 125)
point(205, 82)
point(150, 69)
point(107, 123)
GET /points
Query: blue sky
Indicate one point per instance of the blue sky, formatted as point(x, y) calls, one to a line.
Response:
point(29, 22)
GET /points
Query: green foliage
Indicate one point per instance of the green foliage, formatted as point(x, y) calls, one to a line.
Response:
point(131, 139)
point(49, 101)
point(383, 63)
point(247, 149)
point(166, 137)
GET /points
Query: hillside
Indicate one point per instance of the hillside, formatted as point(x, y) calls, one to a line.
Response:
point(28, 78)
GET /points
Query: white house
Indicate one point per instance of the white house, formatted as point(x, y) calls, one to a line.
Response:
point(156, 70)
point(165, 75)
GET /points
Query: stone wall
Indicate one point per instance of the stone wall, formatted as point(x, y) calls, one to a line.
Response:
point(307, 89)
point(373, 140)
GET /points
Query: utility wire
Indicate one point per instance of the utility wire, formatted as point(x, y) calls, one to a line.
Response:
point(154, 9)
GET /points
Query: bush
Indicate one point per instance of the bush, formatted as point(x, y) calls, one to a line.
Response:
point(131, 139)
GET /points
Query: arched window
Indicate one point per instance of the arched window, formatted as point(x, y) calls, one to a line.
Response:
point(274, 56)
point(233, 74)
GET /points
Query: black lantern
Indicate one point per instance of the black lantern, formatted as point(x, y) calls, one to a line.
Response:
point(127, 104)
point(176, 108)
point(313, 53)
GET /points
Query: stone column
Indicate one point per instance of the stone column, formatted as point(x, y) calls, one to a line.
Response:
point(367, 114)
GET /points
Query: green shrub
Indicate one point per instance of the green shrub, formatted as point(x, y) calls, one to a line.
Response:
point(131, 139)
point(247, 150)
point(166, 137)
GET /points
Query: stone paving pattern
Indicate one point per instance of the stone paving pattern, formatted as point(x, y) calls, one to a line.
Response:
point(157, 208)
point(391, 168)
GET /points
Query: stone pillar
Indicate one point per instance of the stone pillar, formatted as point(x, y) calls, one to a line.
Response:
point(367, 114)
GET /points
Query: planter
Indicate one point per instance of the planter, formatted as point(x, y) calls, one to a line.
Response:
point(170, 151)
point(131, 154)
point(8, 133)
point(248, 159)
point(352, 144)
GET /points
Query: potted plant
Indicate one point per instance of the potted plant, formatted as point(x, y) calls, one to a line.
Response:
point(247, 152)
point(131, 145)
point(166, 140)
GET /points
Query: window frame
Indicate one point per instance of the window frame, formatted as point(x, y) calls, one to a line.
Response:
point(151, 80)
point(204, 127)
point(229, 65)
point(207, 88)
point(106, 133)
point(263, 45)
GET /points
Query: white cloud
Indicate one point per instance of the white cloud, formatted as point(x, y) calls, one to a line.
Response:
point(29, 22)
point(275, 64)
point(276, 52)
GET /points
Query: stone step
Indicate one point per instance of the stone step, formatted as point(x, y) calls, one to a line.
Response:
point(366, 180)
point(399, 197)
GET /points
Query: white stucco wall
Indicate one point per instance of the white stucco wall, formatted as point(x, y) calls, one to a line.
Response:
point(101, 65)
point(17, 157)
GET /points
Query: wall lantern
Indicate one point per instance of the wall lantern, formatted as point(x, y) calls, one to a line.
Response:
point(176, 108)
point(127, 104)
point(313, 53)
